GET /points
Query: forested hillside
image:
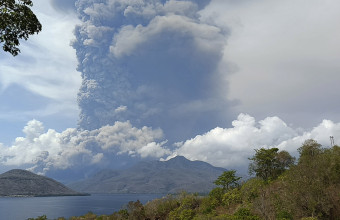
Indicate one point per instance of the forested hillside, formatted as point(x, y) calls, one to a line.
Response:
point(281, 188)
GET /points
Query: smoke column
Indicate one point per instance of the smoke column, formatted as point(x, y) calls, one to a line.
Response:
point(152, 62)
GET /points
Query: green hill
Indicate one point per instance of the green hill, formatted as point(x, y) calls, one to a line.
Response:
point(24, 183)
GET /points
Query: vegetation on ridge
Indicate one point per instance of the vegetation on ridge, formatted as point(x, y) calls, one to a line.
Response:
point(282, 189)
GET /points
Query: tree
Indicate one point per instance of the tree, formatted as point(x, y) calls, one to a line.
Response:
point(309, 150)
point(227, 180)
point(268, 164)
point(284, 160)
point(17, 21)
point(312, 187)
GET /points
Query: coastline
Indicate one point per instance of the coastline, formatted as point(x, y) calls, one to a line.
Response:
point(46, 195)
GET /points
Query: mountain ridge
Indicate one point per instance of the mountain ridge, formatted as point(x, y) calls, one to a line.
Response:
point(172, 176)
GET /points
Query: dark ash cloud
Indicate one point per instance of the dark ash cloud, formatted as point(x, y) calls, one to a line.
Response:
point(64, 5)
point(151, 62)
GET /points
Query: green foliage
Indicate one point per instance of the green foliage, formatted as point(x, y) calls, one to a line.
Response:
point(122, 214)
point(232, 197)
point(240, 214)
point(309, 150)
point(189, 204)
point(244, 213)
point(136, 210)
point(251, 189)
point(268, 164)
point(284, 215)
point(312, 188)
point(182, 214)
point(207, 206)
point(87, 216)
point(17, 21)
point(216, 196)
point(160, 208)
point(43, 217)
point(227, 180)
point(284, 160)
point(309, 188)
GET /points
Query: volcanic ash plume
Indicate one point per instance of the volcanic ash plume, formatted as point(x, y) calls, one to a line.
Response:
point(152, 62)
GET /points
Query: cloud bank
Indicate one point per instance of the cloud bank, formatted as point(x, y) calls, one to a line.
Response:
point(42, 151)
point(231, 147)
point(48, 151)
point(156, 58)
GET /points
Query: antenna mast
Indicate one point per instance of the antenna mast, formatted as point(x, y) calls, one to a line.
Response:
point(332, 141)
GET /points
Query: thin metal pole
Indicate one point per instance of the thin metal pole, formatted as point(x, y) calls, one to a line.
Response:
point(332, 141)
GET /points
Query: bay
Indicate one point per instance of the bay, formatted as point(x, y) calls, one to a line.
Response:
point(18, 208)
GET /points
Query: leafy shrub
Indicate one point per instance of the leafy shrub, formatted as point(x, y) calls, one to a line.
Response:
point(245, 214)
point(160, 208)
point(43, 217)
point(232, 197)
point(284, 215)
point(251, 189)
point(136, 210)
point(216, 196)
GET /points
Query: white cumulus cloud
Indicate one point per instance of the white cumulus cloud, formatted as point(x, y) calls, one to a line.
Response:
point(231, 147)
point(41, 151)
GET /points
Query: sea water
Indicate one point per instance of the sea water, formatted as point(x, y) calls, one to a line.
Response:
point(67, 206)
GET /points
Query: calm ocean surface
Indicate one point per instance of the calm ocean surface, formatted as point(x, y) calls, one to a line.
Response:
point(54, 207)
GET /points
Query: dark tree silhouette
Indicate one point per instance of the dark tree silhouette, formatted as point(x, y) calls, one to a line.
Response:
point(17, 21)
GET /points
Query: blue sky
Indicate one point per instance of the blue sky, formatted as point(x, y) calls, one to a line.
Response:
point(153, 79)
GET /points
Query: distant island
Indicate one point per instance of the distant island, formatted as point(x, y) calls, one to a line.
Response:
point(173, 176)
point(22, 183)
